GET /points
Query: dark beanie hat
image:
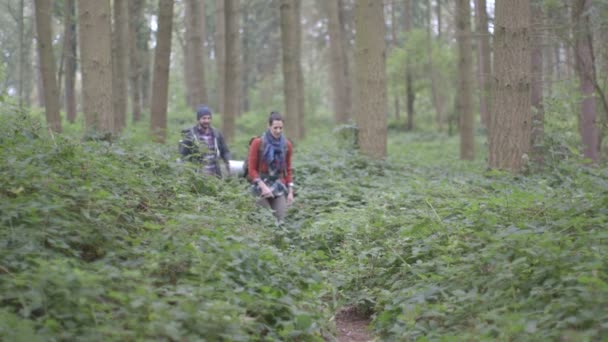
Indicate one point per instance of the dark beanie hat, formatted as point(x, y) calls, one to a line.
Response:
point(201, 111)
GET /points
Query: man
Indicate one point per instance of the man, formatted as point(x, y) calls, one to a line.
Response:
point(205, 145)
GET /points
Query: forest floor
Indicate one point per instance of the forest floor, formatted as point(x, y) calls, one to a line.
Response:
point(352, 326)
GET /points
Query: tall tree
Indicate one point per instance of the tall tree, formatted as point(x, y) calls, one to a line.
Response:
point(135, 55)
point(585, 69)
point(338, 63)
point(301, 98)
point(96, 65)
point(47, 64)
point(483, 59)
point(409, 78)
point(69, 36)
point(370, 105)
point(22, 65)
point(536, 91)
point(220, 52)
point(197, 91)
point(120, 62)
point(290, 60)
point(160, 83)
point(231, 76)
point(510, 123)
point(436, 95)
point(465, 82)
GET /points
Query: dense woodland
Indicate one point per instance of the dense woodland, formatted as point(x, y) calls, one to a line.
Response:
point(450, 170)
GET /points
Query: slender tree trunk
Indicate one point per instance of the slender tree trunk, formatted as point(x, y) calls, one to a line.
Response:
point(409, 79)
point(160, 84)
point(120, 62)
point(370, 78)
point(439, 19)
point(247, 59)
point(437, 98)
point(538, 121)
point(220, 52)
point(338, 63)
point(197, 93)
point(70, 59)
point(47, 64)
point(96, 65)
point(395, 44)
point(483, 59)
point(21, 29)
point(290, 73)
point(301, 94)
point(465, 81)
point(585, 68)
point(27, 60)
point(510, 123)
point(135, 32)
point(231, 78)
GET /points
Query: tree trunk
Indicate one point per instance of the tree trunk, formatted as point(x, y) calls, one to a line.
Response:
point(160, 83)
point(197, 93)
point(370, 78)
point(409, 79)
point(510, 123)
point(220, 52)
point(22, 66)
point(538, 121)
point(465, 79)
point(585, 69)
point(135, 53)
point(290, 72)
point(231, 78)
point(70, 59)
point(47, 64)
point(338, 63)
point(120, 62)
point(483, 59)
point(96, 65)
point(301, 94)
point(437, 99)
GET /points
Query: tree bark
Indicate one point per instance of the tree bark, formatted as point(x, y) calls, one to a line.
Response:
point(96, 65)
point(120, 62)
point(338, 63)
point(409, 78)
point(220, 52)
point(197, 93)
point(290, 72)
point(47, 65)
point(370, 105)
point(231, 76)
point(465, 79)
point(135, 53)
point(301, 94)
point(538, 120)
point(585, 69)
point(70, 47)
point(484, 68)
point(160, 83)
point(510, 123)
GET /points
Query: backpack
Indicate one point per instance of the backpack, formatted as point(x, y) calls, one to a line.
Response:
point(260, 151)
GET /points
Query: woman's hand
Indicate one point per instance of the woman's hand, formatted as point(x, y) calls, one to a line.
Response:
point(266, 193)
point(290, 197)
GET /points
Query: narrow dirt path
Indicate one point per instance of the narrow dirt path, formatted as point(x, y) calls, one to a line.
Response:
point(352, 326)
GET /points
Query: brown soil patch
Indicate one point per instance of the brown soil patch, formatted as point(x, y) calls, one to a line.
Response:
point(352, 326)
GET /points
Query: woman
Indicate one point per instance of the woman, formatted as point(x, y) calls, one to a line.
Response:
point(269, 168)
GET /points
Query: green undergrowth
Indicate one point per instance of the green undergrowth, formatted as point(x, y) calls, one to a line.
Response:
point(434, 248)
point(117, 241)
point(111, 242)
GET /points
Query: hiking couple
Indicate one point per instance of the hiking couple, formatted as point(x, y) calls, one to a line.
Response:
point(268, 162)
